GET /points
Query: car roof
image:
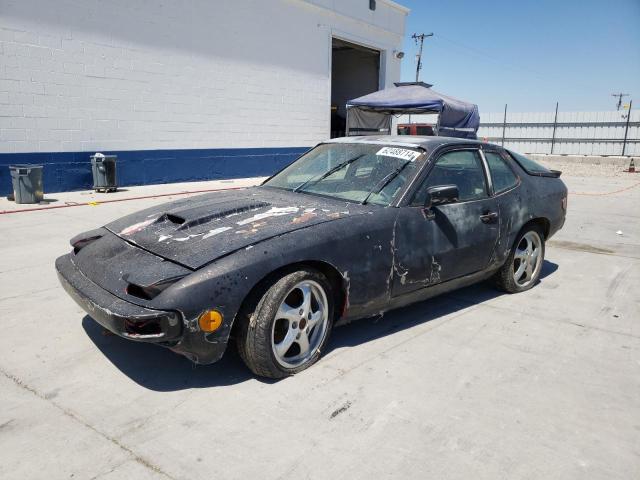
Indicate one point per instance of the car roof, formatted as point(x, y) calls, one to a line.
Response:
point(426, 142)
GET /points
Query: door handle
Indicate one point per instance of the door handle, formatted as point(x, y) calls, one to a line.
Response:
point(489, 217)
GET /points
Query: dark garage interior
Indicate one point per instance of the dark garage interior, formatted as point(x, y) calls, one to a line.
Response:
point(355, 71)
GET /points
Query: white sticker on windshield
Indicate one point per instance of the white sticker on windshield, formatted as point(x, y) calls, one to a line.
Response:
point(403, 153)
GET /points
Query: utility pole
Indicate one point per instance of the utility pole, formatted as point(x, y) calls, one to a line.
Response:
point(619, 95)
point(420, 37)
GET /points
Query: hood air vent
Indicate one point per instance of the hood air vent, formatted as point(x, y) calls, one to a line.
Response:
point(207, 217)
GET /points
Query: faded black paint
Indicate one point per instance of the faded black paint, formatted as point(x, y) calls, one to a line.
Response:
point(220, 245)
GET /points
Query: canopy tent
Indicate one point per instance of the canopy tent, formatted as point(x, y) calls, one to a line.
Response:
point(371, 114)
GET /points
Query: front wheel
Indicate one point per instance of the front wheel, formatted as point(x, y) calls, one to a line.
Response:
point(522, 269)
point(289, 327)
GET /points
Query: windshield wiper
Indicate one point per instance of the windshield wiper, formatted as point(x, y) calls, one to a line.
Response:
point(385, 181)
point(331, 171)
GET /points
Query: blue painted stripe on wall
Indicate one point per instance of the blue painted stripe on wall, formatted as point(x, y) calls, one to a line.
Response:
point(67, 171)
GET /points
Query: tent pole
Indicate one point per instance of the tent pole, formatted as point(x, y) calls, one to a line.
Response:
point(346, 125)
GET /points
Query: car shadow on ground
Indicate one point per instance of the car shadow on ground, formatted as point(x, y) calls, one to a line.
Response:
point(368, 329)
point(160, 369)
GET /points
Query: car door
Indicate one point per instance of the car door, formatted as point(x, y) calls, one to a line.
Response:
point(505, 184)
point(451, 240)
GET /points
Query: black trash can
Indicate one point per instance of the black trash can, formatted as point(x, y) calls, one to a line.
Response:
point(103, 168)
point(27, 183)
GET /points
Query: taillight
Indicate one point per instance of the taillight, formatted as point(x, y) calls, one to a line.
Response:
point(564, 203)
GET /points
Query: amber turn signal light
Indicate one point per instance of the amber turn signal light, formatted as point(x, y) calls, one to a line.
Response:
point(210, 321)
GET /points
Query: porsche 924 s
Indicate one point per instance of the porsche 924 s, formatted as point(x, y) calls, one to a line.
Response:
point(354, 227)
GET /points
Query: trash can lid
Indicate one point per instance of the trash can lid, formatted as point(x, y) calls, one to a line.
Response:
point(24, 165)
point(102, 157)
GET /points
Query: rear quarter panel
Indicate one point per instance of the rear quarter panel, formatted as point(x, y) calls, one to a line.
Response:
point(535, 198)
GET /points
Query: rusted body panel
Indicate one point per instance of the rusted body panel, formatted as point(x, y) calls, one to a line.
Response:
point(213, 250)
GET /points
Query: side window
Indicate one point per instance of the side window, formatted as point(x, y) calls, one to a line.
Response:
point(502, 176)
point(462, 168)
point(424, 130)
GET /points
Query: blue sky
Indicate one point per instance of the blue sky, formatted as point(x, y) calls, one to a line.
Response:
point(528, 53)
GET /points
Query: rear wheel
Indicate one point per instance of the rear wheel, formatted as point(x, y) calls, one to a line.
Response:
point(522, 269)
point(289, 327)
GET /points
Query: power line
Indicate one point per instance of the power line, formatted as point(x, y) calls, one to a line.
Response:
point(505, 63)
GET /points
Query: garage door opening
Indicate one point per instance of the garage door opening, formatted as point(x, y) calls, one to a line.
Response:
point(355, 71)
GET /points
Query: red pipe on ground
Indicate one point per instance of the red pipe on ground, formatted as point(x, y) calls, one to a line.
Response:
point(74, 204)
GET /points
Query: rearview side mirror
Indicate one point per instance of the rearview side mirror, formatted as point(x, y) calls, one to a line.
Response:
point(441, 195)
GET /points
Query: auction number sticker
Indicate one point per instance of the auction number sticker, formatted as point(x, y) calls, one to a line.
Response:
point(403, 153)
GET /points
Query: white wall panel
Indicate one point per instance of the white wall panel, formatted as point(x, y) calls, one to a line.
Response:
point(126, 75)
point(577, 133)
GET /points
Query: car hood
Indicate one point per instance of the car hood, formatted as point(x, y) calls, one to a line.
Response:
point(195, 231)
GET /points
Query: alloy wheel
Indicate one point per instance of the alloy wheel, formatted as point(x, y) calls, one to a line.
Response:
point(300, 324)
point(527, 259)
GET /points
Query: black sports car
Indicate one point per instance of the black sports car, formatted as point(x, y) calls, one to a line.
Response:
point(354, 227)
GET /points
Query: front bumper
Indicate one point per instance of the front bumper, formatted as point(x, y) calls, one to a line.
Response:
point(116, 315)
point(133, 322)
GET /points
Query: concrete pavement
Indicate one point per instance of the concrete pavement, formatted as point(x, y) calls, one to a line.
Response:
point(473, 384)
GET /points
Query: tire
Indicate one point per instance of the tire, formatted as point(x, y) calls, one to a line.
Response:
point(522, 269)
point(271, 337)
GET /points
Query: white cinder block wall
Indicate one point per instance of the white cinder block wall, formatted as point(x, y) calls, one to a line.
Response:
point(88, 75)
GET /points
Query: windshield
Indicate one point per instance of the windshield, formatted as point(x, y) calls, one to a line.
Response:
point(355, 172)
